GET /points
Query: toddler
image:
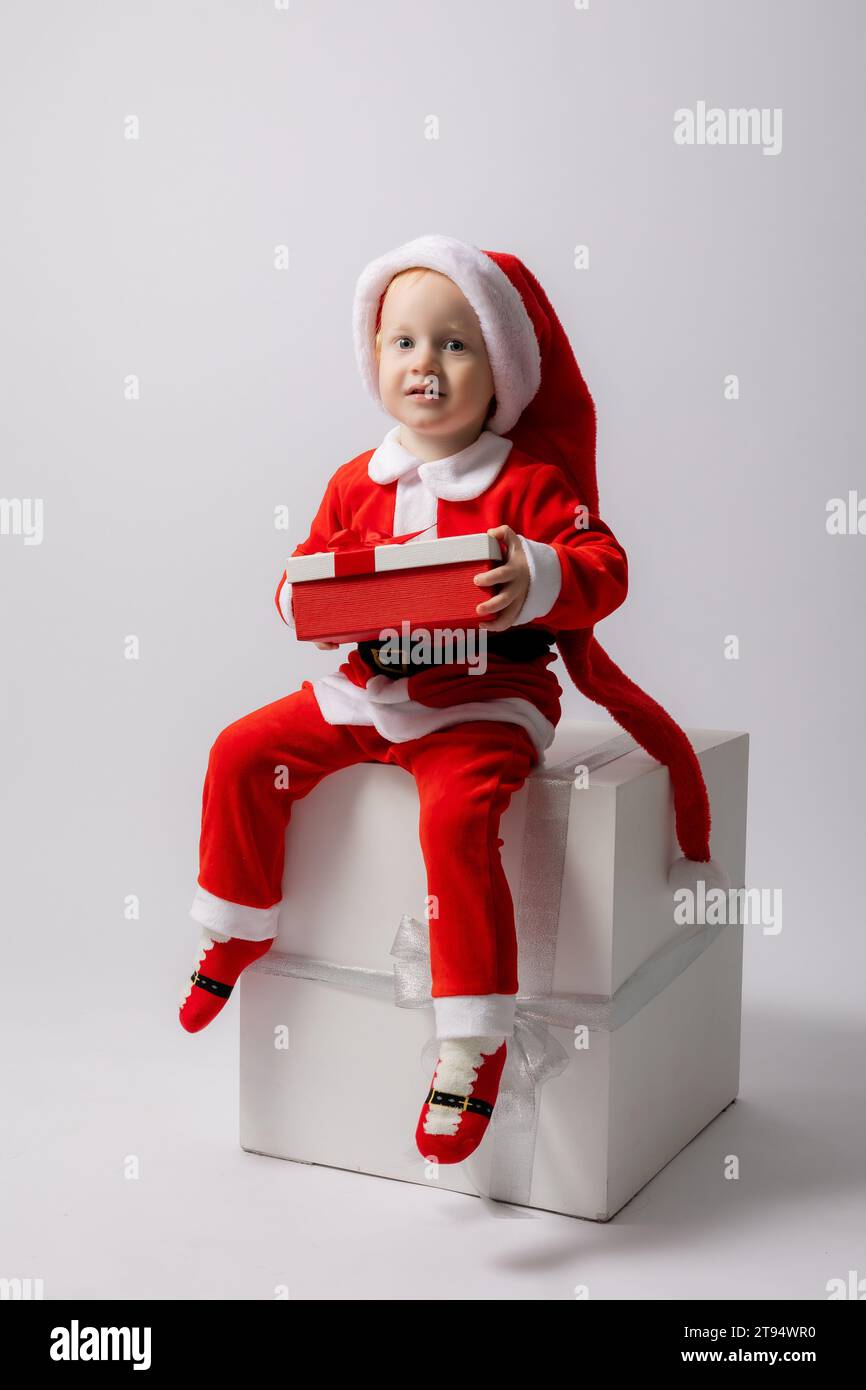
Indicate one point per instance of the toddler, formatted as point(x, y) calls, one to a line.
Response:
point(494, 432)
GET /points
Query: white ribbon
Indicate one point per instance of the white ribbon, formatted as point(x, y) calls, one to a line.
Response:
point(533, 1054)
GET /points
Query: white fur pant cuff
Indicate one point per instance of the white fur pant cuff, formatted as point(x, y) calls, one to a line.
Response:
point(474, 1015)
point(234, 919)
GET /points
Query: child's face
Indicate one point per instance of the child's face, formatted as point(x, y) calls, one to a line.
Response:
point(434, 375)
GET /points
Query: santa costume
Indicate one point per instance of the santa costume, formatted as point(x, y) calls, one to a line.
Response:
point(470, 741)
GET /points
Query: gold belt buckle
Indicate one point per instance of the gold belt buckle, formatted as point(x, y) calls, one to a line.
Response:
point(390, 667)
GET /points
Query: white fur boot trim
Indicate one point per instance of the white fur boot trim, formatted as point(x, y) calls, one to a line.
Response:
point(459, 1060)
point(206, 944)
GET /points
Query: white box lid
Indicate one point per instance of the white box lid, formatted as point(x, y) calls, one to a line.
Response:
point(448, 550)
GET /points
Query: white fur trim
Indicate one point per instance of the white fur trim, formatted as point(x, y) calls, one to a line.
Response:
point(285, 603)
point(456, 1071)
point(686, 873)
point(415, 509)
point(512, 347)
point(384, 704)
point(206, 944)
point(474, 1015)
point(457, 478)
point(545, 580)
point(234, 919)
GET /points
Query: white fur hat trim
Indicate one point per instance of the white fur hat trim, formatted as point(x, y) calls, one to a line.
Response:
point(509, 336)
point(687, 873)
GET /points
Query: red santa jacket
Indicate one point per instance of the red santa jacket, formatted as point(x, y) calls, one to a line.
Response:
point(573, 554)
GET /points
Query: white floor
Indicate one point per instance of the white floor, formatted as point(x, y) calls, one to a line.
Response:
point(203, 1219)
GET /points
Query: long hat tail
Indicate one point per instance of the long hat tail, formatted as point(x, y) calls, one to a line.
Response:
point(600, 679)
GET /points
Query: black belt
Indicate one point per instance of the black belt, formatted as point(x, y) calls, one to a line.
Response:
point(516, 644)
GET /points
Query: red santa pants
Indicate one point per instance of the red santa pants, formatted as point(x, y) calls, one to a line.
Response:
point(465, 774)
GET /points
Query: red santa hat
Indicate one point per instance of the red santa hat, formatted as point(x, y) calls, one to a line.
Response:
point(543, 406)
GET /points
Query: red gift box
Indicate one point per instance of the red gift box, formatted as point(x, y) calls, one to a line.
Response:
point(359, 586)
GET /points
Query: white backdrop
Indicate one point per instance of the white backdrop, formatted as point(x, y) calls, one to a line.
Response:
point(155, 157)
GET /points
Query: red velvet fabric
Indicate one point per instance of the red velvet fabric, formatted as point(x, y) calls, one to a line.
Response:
point(465, 776)
point(559, 426)
point(535, 500)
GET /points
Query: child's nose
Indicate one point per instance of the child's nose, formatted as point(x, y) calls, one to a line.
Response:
point(427, 359)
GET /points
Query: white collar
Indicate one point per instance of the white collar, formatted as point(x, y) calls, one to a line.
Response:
point(457, 478)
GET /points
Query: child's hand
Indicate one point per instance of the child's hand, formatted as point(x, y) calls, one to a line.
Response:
point(513, 575)
point(326, 646)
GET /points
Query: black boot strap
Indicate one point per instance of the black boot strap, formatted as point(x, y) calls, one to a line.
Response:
point(212, 986)
point(476, 1107)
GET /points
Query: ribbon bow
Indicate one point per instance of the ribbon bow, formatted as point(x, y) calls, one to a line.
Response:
point(533, 1056)
point(354, 553)
point(349, 538)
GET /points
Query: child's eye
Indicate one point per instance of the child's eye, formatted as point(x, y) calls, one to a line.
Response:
point(458, 342)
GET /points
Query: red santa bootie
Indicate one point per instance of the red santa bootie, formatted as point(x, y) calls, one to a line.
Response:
point(455, 1115)
point(224, 958)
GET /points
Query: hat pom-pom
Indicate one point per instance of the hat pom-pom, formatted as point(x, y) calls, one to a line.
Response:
point(687, 873)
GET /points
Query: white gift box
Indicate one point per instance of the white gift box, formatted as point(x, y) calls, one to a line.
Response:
point(641, 1041)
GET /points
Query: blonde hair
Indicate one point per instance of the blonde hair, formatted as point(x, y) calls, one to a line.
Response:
point(410, 270)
